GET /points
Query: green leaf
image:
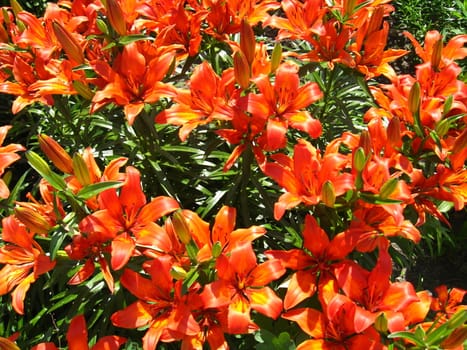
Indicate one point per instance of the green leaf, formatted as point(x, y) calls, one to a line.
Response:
point(92, 190)
point(373, 199)
point(127, 39)
point(409, 336)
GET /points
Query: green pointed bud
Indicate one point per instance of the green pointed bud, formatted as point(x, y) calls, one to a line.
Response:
point(80, 169)
point(181, 227)
point(442, 127)
point(39, 164)
point(276, 57)
point(102, 26)
point(216, 250)
point(6, 17)
point(359, 159)
point(388, 188)
point(414, 98)
point(178, 273)
point(328, 194)
point(16, 7)
point(381, 323)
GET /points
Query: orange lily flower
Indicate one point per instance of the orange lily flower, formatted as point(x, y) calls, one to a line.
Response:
point(374, 292)
point(448, 302)
point(7, 157)
point(241, 287)
point(317, 259)
point(205, 101)
point(303, 20)
point(24, 261)
point(372, 225)
point(342, 325)
point(132, 87)
point(282, 105)
point(304, 176)
point(370, 57)
point(160, 305)
point(116, 227)
point(77, 337)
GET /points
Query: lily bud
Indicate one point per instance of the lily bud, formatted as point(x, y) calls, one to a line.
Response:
point(414, 98)
point(178, 272)
point(69, 44)
point(359, 159)
point(276, 57)
point(247, 41)
point(80, 169)
point(365, 142)
point(16, 7)
point(456, 338)
point(56, 153)
point(33, 220)
point(388, 188)
point(216, 250)
point(181, 227)
point(328, 194)
point(376, 20)
point(7, 344)
point(102, 26)
point(83, 90)
point(460, 143)
point(241, 70)
point(115, 16)
point(349, 7)
point(394, 132)
point(437, 54)
point(381, 323)
point(3, 35)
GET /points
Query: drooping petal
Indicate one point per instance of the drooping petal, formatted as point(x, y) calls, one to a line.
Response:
point(77, 335)
point(83, 273)
point(309, 320)
point(139, 286)
point(123, 247)
point(19, 294)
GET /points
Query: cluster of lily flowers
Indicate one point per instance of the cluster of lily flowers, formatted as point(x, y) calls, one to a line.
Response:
point(201, 281)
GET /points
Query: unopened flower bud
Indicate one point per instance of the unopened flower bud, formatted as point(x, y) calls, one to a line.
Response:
point(69, 44)
point(437, 54)
point(181, 227)
point(460, 143)
point(456, 338)
point(247, 41)
point(376, 20)
point(276, 57)
point(365, 142)
point(241, 70)
point(216, 249)
point(381, 323)
point(56, 153)
point(80, 169)
point(115, 16)
point(178, 272)
point(3, 35)
point(33, 220)
point(7, 344)
point(414, 98)
point(359, 159)
point(16, 7)
point(388, 188)
point(349, 7)
point(394, 132)
point(328, 194)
